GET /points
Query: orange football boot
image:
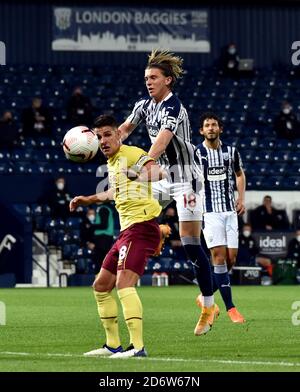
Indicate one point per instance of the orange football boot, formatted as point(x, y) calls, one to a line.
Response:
point(235, 316)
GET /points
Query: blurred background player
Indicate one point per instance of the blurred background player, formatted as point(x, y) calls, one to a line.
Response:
point(169, 129)
point(221, 165)
point(138, 239)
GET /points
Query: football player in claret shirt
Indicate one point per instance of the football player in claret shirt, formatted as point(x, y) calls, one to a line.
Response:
point(130, 172)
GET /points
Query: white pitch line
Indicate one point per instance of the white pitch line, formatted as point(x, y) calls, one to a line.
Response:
point(223, 361)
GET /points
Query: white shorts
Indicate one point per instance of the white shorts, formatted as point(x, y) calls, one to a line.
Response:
point(221, 229)
point(188, 203)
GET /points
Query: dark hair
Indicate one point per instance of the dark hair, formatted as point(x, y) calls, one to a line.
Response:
point(209, 115)
point(267, 197)
point(105, 120)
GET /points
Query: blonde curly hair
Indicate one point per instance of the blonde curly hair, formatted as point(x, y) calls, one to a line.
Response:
point(167, 62)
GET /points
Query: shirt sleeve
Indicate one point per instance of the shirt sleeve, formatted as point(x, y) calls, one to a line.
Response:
point(142, 160)
point(237, 161)
point(137, 115)
point(170, 117)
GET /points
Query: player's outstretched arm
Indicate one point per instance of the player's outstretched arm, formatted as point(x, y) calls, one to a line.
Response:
point(161, 143)
point(126, 128)
point(102, 197)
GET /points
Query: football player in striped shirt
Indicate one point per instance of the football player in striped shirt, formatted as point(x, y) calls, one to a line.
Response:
point(169, 129)
point(221, 166)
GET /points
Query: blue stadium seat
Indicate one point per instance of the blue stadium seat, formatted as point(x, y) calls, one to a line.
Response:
point(267, 143)
point(73, 223)
point(257, 182)
point(281, 156)
point(23, 209)
point(154, 265)
point(263, 156)
point(180, 265)
point(273, 182)
point(6, 168)
point(69, 251)
point(292, 183)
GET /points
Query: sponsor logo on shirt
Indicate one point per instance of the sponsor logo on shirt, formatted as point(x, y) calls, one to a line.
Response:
point(216, 173)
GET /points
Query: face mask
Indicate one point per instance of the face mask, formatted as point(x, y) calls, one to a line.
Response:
point(232, 50)
point(91, 218)
point(246, 233)
point(298, 238)
point(60, 186)
point(286, 110)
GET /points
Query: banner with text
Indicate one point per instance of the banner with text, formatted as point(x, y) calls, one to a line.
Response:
point(129, 29)
point(274, 244)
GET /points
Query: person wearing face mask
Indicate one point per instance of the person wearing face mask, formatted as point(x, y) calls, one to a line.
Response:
point(294, 248)
point(248, 254)
point(97, 233)
point(286, 123)
point(229, 60)
point(79, 108)
point(248, 248)
point(58, 199)
point(170, 217)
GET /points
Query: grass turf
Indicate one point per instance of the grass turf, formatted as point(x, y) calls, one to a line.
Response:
point(49, 329)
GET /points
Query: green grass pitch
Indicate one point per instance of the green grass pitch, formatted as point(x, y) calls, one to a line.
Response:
point(49, 329)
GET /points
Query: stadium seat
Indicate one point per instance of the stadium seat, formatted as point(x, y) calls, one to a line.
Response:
point(263, 156)
point(292, 183)
point(73, 223)
point(273, 182)
point(281, 156)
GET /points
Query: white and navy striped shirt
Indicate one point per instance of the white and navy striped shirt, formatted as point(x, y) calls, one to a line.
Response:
point(219, 167)
point(168, 114)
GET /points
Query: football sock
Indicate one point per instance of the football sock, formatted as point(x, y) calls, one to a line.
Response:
point(222, 279)
point(108, 312)
point(201, 264)
point(133, 314)
point(215, 285)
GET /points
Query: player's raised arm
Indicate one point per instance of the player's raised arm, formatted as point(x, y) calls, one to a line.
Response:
point(161, 142)
point(102, 197)
point(126, 128)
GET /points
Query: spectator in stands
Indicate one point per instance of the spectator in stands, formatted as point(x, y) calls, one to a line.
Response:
point(79, 109)
point(170, 217)
point(248, 248)
point(294, 248)
point(286, 123)
point(229, 60)
point(97, 232)
point(37, 119)
point(8, 130)
point(248, 253)
point(58, 199)
point(267, 218)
